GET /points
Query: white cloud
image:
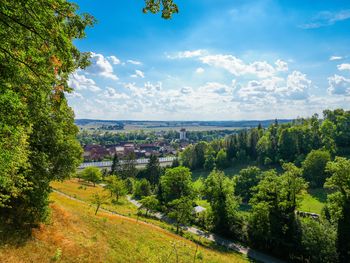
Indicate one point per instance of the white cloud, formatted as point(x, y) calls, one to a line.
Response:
point(134, 62)
point(344, 66)
point(186, 90)
point(281, 65)
point(332, 58)
point(237, 67)
point(101, 66)
point(298, 85)
point(111, 93)
point(114, 60)
point(138, 74)
point(326, 18)
point(338, 85)
point(188, 54)
point(81, 82)
point(199, 70)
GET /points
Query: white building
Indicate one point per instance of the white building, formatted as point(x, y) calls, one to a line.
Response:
point(183, 134)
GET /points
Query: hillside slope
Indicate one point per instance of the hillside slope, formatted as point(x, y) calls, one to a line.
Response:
point(76, 235)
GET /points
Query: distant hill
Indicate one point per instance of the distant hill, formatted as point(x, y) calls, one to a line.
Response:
point(175, 124)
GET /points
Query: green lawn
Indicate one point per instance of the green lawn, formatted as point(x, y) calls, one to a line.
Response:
point(313, 201)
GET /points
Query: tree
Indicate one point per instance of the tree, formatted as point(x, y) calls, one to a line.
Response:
point(221, 160)
point(246, 180)
point(153, 170)
point(142, 188)
point(273, 225)
point(167, 7)
point(149, 203)
point(98, 200)
point(219, 192)
point(176, 183)
point(128, 169)
point(339, 203)
point(92, 174)
point(116, 186)
point(115, 164)
point(314, 167)
point(37, 132)
point(180, 210)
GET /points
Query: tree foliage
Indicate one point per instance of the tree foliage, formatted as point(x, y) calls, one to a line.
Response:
point(37, 132)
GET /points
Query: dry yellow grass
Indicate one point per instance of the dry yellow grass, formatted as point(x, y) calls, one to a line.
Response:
point(76, 235)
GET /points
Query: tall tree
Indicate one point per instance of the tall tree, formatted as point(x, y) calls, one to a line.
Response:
point(219, 191)
point(273, 225)
point(153, 170)
point(339, 203)
point(115, 164)
point(128, 167)
point(37, 55)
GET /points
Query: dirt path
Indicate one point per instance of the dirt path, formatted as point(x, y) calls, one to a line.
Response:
point(251, 253)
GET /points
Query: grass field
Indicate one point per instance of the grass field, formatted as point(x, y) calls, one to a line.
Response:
point(74, 234)
point(314, 201)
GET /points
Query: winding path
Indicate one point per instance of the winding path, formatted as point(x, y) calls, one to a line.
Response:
point(251, 253)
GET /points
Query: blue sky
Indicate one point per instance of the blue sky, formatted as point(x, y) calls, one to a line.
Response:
point(215, 60)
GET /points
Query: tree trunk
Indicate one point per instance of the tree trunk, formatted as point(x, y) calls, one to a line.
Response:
point(98, 207)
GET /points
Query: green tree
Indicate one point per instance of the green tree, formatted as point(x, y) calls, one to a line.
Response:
point(246, 180)
point(116, 186)
point(318, 241)
point(128, 167)
point(180, 210)
point(166, 7)
point(37, 55)
point(273, 225)
point(328, 131)
point(98, 200)
point(176, 183)
point(314, 167)
point(339, 203)
point(149, 203)
point(219, 191)
point(92, 174)
point(221, 161)
point(142, 188)
point(115, 164)
point(153, 170)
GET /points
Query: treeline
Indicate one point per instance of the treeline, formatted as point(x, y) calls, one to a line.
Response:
point(110, 138)
point(272, 225)
point(288, 142)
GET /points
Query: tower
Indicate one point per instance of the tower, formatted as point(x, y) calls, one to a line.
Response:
point(183, 134)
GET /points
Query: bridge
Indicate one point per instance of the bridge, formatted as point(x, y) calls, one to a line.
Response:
point(138, 162)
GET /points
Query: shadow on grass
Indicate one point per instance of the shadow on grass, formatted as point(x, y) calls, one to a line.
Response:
point(10, 236)
point(320, 194)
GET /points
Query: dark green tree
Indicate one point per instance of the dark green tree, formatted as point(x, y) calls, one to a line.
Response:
point(115, 164)
point(219, 191)
point(339, 203)
point(314, 167)
point(246, 180)
point(153, 170)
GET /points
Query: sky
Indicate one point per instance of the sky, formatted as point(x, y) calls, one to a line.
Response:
point(215, 60)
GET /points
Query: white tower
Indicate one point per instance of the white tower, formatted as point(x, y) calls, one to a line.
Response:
point(183, 134)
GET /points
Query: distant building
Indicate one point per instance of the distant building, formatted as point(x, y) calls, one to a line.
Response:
point(183, 134)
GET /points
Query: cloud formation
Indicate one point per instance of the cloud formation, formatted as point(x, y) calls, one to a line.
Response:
point(101, 66)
